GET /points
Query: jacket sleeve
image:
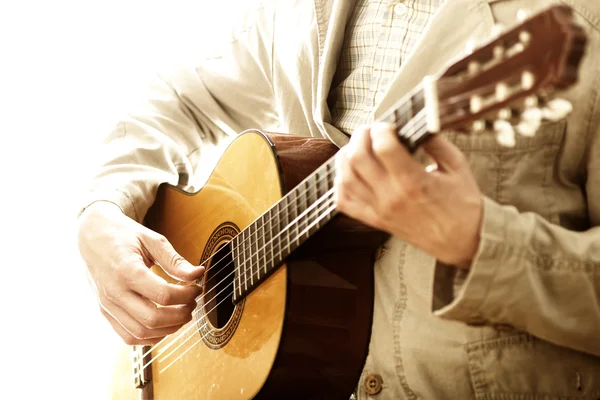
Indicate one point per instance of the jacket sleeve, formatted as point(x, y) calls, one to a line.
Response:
point(185, 114)
point(528, 273)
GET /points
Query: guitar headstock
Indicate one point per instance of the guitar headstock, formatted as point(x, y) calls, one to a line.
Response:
point(508, 84)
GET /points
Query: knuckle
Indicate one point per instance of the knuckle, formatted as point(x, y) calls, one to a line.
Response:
point(343, 200)
point(138, 274)
point(381, 148)
point(177, 260)
point(356, 156)
point(112, 295)
point(413, 190)
point(346, 180)
point(129, 340)
point(393, 204)
point(139, 333)
point(163, 296)
point(160, 239)
point(150, 320)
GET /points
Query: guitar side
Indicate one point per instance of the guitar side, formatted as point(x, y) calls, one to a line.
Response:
point(304, 331)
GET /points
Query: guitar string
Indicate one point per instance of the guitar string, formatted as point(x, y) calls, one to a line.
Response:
point(315, 220)
point(417, 131)
point(329, 206)
point(330, 192)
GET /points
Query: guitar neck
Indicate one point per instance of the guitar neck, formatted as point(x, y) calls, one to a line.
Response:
point(260, 248)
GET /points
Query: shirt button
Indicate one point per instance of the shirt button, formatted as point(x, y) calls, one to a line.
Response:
point(400, 9)
point(373, 383)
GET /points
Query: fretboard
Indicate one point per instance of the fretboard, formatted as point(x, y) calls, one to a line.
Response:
point(260, 248)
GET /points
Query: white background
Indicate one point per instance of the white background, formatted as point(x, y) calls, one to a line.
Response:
point(67, 70)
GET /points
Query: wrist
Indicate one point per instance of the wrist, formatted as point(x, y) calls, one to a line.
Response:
point(466, 250)
point(100, 207)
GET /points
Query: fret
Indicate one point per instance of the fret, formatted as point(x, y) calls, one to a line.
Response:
point(262, 253)
point(253, 249)
point(307, 192)
point(294, 212)
point(240, 259)
point(313, 198)
point(330, 173)
point(322, 188)
point(269, 240)
point(236, 264)
point(312, 203)
point(283, 229)
point(304, 204)
point(323, 181)
point(276, 233)
point(245, 250)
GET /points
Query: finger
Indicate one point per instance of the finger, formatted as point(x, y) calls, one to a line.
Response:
point(127, 337)
point(136, 328)
point(358, 210)
point(348, 183)
point(147, 313)
point(361, 159)
point(392, 154)
point(155, 288)
point(446, 155)
point(162, 252)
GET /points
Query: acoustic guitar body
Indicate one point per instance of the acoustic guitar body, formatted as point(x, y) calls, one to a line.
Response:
point(303, 332)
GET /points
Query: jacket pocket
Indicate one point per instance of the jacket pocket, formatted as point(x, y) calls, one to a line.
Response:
point(523, 175)
point(526, 368)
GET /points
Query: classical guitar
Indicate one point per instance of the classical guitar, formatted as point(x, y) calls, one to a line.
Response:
point(287, 296)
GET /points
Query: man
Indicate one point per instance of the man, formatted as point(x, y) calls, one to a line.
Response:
point(490, 286)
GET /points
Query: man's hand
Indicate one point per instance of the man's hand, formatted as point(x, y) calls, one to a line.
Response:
point(380, 184)
point(118, 253)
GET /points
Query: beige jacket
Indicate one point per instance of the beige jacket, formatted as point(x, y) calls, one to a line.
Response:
point(525, 322)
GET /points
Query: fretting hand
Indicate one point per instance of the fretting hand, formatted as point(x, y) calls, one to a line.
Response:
point(379, 183)
point(118, 253)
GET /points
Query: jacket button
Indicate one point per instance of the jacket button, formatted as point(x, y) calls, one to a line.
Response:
point(373, 383)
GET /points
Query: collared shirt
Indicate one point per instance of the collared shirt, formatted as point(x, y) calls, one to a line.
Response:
point(379, 36)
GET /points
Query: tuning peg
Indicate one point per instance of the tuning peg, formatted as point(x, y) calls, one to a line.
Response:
point(524, 37)
point(479, 126)
point(527, 80)
point(533, 115)
point(557, 109)
point(527, 128)
point(471, 45)
point(475, 104)
point(505, 133)
point(532, 101)
point(474, 67)
point(497, 29)
point(531, 120)
point(502, 91)
point(523, 14)
point(499, 52)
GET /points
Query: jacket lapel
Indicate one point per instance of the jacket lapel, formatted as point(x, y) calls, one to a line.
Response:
point(341, 11)
point(445, 38)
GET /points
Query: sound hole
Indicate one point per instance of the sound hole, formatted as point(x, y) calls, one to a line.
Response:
point(218, 288)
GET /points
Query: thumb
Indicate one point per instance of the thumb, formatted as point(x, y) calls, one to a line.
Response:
point(163, 253)
point(447, 156)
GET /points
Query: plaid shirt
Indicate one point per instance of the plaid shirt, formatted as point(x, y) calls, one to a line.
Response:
point(380, 34)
